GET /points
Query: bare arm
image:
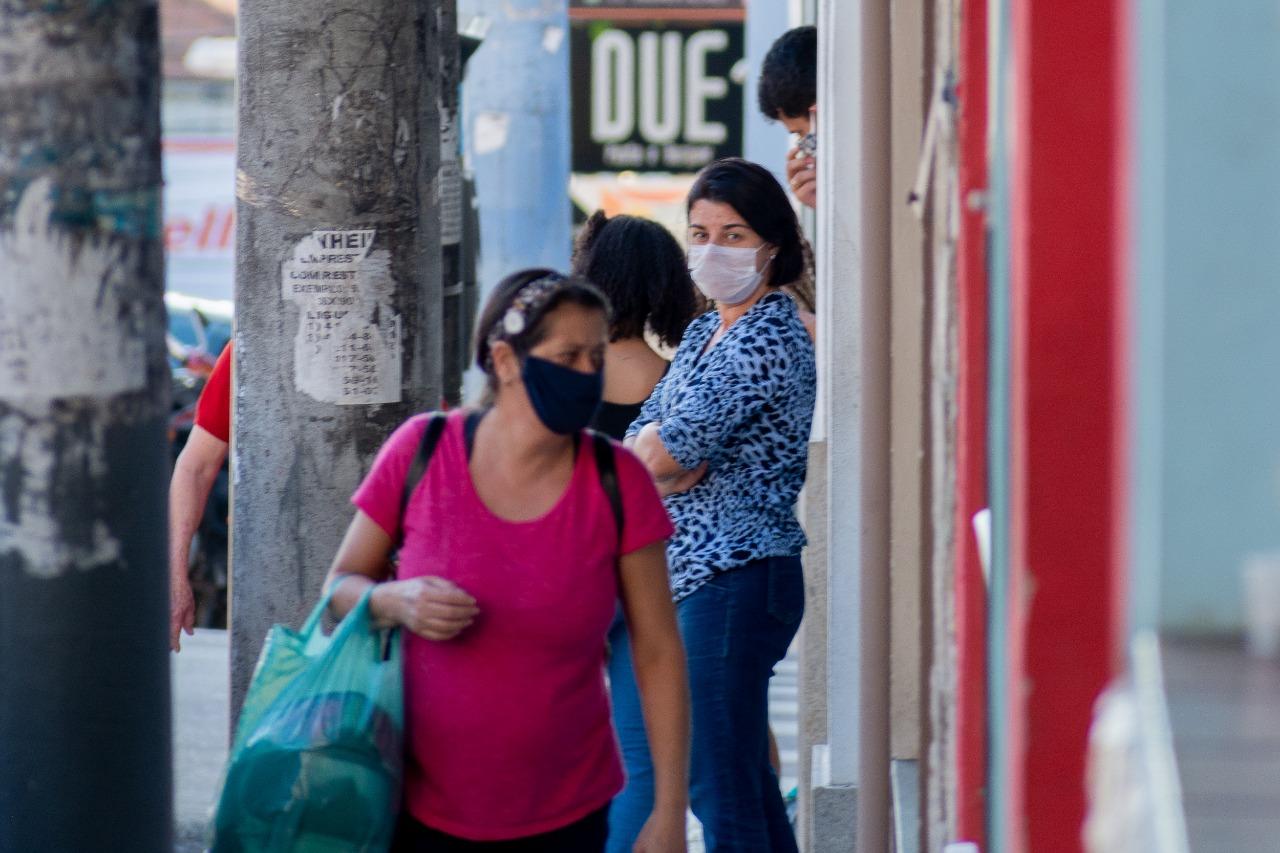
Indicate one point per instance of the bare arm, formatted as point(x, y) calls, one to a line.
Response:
point(653, 453)
point(193, 476)
point(659, 664)
point(431, 607)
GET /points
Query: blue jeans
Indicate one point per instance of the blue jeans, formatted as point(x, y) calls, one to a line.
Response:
point(736, 627)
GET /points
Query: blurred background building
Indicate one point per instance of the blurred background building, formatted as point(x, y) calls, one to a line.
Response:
point(198, 116)
point(1048, 450)
point(1044, 496)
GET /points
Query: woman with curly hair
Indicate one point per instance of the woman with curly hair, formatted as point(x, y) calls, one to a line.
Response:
point(641, 268)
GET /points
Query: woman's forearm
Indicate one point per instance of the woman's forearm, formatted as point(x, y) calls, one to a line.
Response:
point(360, 563)
point(664, 696)
point(350, 586)
point(194, 473)
point(654, 454)
point(384, 610)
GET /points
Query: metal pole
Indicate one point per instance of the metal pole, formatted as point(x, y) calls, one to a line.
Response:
point(338, 270)
point(516, 114)
point(84, 675)
point(875, 441)
point(455, 334)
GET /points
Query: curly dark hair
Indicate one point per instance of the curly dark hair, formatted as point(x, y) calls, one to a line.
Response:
point(642, 269)
point(789, 75)
point(756, 195)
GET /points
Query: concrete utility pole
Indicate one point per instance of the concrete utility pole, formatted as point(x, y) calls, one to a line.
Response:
point(338, 270)
point(84, 673)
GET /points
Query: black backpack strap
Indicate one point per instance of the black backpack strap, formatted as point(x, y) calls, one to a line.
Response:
point(469, 429)
point(607, 468)
point(421, 459)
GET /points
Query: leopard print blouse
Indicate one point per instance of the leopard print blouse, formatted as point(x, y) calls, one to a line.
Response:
point(745, 408)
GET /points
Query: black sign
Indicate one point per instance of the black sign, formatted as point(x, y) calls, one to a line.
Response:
point(655, 97)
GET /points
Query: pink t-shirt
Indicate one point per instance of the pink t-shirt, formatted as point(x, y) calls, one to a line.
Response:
point(508, 731)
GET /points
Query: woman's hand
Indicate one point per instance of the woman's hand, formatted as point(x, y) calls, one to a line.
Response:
point(682, 482)
point(663, 832)
point(182, 609)
point(431, 607)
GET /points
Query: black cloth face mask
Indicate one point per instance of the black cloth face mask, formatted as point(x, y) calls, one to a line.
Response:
point(564, 399)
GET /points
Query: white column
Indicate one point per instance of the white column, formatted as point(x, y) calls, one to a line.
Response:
point(839, 360)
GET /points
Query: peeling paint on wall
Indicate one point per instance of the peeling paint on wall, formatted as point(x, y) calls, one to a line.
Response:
point(39, 473)
point(552, 38)
point(348, 345)
point(71, 339)
point(491, 130)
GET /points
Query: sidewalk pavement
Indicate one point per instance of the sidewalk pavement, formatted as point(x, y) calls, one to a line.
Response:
point(1225, 711)
point(201, 733)
point(784, 715)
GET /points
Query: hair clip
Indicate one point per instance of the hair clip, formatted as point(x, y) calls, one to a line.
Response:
point(525, 304)
point(513, 322)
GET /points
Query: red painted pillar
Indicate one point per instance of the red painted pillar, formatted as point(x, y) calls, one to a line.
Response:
point(1066, 419)
point(971, 428)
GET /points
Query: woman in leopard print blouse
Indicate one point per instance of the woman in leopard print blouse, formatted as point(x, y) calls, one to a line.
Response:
point(726, 436)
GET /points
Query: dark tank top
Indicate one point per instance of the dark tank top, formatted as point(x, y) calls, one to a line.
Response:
point(612, 419)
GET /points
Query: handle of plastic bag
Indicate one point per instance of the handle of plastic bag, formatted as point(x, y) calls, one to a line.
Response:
point(359, 620)
point(357, 617)
point(313, 621)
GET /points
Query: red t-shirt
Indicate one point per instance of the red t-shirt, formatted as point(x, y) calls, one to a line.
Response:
point(213, 409)
point(508, 730)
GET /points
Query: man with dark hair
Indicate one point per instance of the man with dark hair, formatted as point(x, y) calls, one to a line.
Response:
point(788, 92)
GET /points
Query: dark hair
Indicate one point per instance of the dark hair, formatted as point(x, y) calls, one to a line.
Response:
point(802, 289)
point(789, 75)
point(642, 269)
point(565, 290)
point(753, 191)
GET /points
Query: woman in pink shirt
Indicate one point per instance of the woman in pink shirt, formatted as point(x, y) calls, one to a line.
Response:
point(512, 558)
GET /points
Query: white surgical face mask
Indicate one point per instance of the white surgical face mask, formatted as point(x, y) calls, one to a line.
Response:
point(726, 274)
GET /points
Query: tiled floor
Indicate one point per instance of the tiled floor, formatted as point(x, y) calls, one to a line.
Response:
point(1225, 712)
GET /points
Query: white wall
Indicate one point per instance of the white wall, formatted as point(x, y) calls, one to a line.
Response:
point(1209, 306)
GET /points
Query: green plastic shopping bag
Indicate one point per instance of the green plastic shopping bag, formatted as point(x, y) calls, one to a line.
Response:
point(317, 760)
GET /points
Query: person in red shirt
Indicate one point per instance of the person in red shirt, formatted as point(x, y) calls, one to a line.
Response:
point(194, 473)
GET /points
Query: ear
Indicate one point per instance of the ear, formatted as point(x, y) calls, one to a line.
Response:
point(766, 253)
point(506, 364)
